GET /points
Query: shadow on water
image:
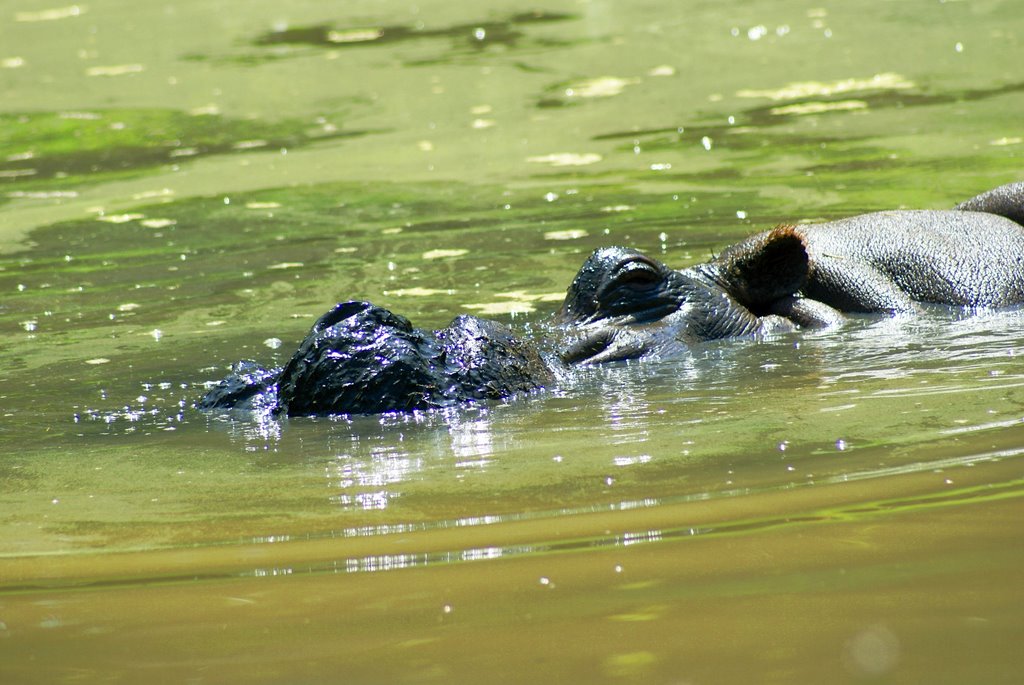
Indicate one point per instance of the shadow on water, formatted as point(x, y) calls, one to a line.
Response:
point(478, 35)
point(466, 39)
point(751, 130)
point(42, 153)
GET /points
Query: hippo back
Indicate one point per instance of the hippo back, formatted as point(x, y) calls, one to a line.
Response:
point(888, 260)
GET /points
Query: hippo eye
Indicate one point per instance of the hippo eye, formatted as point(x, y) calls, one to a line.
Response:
point(637, 274)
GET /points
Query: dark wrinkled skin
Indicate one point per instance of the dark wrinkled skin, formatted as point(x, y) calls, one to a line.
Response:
point(362, 359)
point(622, 304)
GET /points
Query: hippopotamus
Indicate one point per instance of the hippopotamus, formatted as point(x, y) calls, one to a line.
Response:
point(362, 359)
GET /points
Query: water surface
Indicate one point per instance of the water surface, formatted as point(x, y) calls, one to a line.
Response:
point(185, 185)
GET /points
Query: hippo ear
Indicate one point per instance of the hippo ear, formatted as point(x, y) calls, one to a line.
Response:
point(764, 267)
point(1007, 200)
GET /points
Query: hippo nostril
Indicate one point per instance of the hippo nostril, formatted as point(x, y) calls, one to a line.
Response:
point(633, 276)
point(638, 279)
point(588, 346)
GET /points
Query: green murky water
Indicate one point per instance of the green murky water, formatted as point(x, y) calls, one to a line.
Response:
point(186, 184)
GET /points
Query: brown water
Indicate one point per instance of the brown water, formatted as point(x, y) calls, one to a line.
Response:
point(183, 185)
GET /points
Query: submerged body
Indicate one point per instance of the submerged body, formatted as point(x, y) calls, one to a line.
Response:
point(622, 304)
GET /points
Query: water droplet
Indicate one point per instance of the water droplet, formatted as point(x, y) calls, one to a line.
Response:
point(757, 32)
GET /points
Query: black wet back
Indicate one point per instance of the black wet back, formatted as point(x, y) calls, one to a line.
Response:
point(363, 359)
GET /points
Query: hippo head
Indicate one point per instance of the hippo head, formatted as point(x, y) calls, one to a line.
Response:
point(624, 304)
